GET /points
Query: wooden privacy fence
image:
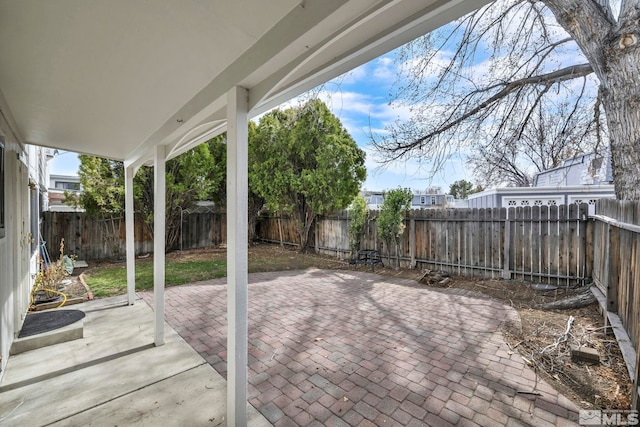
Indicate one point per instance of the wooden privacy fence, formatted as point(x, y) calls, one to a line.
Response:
point(616, 263)
point(547, 244)
point(616, 271)
point(201, 229)
point(91, 239)
point(88, 238)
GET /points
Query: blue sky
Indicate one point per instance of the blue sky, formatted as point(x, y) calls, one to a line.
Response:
point(360, 100)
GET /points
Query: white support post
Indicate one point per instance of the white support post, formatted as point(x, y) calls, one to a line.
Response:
point(237, 253)
point(159, 206)
point(130, 173)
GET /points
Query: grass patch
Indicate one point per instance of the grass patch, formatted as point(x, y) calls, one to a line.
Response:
point(109, 281)
point(195, 265)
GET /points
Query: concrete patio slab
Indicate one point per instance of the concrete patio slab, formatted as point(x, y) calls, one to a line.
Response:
point(353, 348)
point(193, 398)
point(114, 375)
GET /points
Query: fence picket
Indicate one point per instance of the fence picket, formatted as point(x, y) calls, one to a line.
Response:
point(524, 243)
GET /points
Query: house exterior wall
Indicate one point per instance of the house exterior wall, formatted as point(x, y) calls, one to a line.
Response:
point(58, 185)
point(419, 201)
point(426, 201)
point(485, 199)
point(541, 196)
point(17, 259)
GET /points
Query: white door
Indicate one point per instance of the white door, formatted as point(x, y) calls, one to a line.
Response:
point(24, 243)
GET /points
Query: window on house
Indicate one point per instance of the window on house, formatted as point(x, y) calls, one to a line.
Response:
point(433, 200)
point(61, 185)
point(2, 201)
point(423, 200)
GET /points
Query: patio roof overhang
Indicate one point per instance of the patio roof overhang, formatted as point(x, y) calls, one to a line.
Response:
point(143, 81)
point(116, 78)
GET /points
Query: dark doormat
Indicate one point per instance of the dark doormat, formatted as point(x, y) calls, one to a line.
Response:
point(37, 323)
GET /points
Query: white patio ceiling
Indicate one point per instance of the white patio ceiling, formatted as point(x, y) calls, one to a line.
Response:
point(144, 80)
point(115, 78)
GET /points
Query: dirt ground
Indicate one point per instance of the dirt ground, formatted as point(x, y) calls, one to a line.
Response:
point(605, 385)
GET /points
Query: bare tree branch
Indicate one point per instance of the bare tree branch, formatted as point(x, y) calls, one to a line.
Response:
point(507, 88)
point(522, 84)
point(589, 22)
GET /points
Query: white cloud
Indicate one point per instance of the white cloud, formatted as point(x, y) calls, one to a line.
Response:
point(384, 70)
point(350, 77)
point(413, 173)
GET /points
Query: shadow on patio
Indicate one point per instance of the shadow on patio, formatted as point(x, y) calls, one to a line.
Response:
point(114, 376)
point(351, 348)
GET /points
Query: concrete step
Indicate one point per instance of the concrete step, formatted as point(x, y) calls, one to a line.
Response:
point(70, 332)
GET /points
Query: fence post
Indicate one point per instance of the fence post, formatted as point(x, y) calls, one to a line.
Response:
point(635, 388)
point(506, 269)
point(280, 229)
point(412, 242)
point(614, 268)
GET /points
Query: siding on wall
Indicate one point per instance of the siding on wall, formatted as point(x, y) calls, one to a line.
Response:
point(15, 281)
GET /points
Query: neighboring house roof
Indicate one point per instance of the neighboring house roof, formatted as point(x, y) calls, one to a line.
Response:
point(585, 169)
point(56, 180)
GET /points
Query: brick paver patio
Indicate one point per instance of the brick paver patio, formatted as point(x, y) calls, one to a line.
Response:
point(348, 348)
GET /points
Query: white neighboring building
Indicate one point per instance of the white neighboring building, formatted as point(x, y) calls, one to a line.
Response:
point(58, 184)
point(582, 179)
point(541, 196)
point(375, 199)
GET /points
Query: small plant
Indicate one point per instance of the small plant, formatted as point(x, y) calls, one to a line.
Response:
point(357, 218)
point(391, 220)
point(47, 284)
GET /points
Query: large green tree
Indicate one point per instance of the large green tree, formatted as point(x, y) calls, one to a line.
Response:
point(218, 148)
point(305, 164)
point(102, 196)
point(462, 189)
point(195, 175)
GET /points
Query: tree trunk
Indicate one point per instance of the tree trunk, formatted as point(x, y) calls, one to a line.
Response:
point(397, 255)
point(577, 301)
point(613, 51)
point(305, 236)
point(254, 206)
point(303, 228)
